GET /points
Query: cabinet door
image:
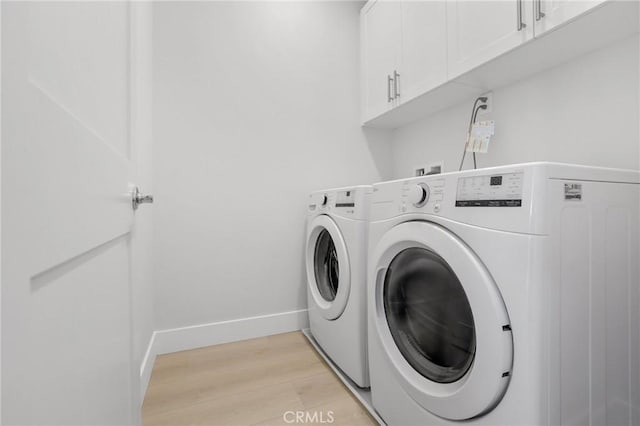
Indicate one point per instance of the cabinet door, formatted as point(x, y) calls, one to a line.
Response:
point(424, 47)
point(482, 30)
point(549, 14)
point(381, 33)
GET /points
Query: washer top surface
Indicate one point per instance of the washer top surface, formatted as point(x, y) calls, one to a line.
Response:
point(499, 198)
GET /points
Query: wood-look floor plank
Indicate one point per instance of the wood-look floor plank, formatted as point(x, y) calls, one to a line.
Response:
point(238, 409)
point(320, 389)
point(252, 382)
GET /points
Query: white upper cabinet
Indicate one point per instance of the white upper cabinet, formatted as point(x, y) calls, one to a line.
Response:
point(549, 14)
point(421, 56)
point(423, 64)
point(481, 30)
point(381, 38)
point(404, 52)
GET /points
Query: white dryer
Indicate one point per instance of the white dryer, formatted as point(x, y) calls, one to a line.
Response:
point(506, 296)
point(336, 256)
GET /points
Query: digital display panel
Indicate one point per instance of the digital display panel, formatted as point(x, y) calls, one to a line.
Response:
point(345, 199)
point(503, 190)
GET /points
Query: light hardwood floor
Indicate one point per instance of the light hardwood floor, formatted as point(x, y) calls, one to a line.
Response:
point(254, 382)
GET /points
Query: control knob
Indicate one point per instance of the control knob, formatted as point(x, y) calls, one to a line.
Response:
point(419, 194)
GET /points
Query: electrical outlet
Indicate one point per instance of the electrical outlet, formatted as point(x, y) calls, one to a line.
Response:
point(429, 169)
point(489, 103)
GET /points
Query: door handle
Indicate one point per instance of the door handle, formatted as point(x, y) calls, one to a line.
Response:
point(138, 198)
point(521, 24)
point(396, 84)
point(539, 13)
point(389, 81)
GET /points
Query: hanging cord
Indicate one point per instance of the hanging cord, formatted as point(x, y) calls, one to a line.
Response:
point(483, 106)
point(474, 113)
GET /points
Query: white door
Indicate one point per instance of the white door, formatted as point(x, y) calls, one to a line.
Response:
point(549, 14)
point(380, 22)
point(482, 30)
point(67, 216)
point(424, 47)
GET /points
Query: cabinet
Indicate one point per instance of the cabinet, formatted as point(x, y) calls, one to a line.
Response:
point(420, 57)
point(482, 30)
point(549, 14)
point(381, 39)
point(423, 64)
point(403, 52)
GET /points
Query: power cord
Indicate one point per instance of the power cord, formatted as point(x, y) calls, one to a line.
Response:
point(473, 120)
point(474, 114)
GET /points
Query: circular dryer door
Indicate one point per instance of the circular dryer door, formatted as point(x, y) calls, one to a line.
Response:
point(441, 321)
point(327, 265)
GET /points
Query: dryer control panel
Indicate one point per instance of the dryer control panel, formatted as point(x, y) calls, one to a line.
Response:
point(350, 202)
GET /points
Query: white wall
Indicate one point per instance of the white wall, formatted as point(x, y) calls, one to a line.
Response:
point(585, 112)
point(255, 105)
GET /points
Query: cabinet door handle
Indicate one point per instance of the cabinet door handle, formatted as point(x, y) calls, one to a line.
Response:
point(396, 84)
point(539, 13)
point(521, 24)
point(389, 81)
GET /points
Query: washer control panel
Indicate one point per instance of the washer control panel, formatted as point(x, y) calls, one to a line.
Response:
point(502, 190)
point(502, 197)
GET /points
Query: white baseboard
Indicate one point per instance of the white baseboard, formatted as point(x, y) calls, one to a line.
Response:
point(147, 366)
point(197, 336)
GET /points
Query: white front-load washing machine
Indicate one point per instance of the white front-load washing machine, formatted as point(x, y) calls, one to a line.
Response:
point(506, 296)
point(336, 256)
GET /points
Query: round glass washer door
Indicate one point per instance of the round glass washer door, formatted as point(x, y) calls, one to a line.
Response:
point(431, 323)
point(441, 321)
point(327, 264)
